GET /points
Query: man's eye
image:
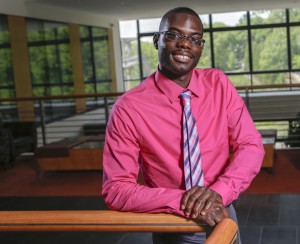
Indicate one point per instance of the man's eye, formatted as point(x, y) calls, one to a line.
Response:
point(173, 35)
point(196, 39)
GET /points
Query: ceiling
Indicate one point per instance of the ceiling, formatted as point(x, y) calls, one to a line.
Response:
point(139, 9)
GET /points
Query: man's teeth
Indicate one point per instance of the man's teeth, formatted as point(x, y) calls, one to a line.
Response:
point(182, 56)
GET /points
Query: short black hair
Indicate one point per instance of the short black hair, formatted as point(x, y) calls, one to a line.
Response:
point(184, 10)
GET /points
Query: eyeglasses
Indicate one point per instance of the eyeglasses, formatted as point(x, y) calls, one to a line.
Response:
point(174, 36)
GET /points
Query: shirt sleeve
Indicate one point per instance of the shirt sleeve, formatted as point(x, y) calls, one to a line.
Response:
point(120, 189)
point(246, 144)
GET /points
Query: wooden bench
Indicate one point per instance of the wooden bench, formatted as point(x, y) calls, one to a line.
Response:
point(112, 221)
point(81, 153)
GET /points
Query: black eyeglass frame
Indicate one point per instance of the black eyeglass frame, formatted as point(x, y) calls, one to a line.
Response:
point(179, 37)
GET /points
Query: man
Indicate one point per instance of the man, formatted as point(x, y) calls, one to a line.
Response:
point(145, 134)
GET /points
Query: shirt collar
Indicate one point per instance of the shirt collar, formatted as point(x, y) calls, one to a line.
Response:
point(172, 90)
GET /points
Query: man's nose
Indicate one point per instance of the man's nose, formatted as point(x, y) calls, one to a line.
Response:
point(185, 42)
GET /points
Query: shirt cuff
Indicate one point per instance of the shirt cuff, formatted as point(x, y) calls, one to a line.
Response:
point(174, 205)
point(224, 191)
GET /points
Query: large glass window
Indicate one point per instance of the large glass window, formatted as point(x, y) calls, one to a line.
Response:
point(295, 47)
point(231, 50)
point(50, 66)
point(7, 88)
point(262, 17)
point(130, 53)
point(149, 56)
point(50, 59)
point(260, 47)
point(149, 25)
point(95, 55)
point(229, 19)
point(205, 20)
point(269, 49)
point(294, 15)
point(271, 78)
point(240, 80)
point(205, 59)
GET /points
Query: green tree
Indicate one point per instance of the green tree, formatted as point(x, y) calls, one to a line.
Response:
point(149, 57)
point(229, 50)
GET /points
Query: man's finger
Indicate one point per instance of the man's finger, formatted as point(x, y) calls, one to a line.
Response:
point(186, 197)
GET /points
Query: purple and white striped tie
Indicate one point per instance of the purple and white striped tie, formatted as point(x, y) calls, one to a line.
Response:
point(193, 172)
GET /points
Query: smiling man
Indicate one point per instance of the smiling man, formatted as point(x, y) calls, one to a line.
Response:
point(176, 129)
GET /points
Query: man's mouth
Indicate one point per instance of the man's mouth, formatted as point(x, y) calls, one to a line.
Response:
point(181, 58)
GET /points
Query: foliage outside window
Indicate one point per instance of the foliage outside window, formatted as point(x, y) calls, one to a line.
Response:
point(205, 59)
point(7, 89)
point(50, 59)
point(295, 46)
point(294, 15)
point(251, 47)
point(50, 66)
point(149, 58)
point(130, 54)
point(262, 17)
point(231, 50)
point(95, 57)
point(229, 20)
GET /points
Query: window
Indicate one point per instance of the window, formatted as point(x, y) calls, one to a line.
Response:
point(231, 50)
point(149, 25)
point(205, 59)
point(7, 88)
point(50, 59)
point(95, 55)
point(295, 47)
point(50, 66)
point(262, 17)
point(229, 19)
point(269, 49)
point(260, 47)
point(149, 56)
point(294, 15)
point(130, 54)
point(205, 20)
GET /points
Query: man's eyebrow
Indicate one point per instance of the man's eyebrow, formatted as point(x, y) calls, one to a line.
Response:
point(177, 30)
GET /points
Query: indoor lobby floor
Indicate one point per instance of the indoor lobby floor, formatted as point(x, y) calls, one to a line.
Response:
point(263, 219)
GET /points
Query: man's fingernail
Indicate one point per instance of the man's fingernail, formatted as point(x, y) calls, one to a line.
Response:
point(187, 213)
point(182, 207)
point(203, 213)
point(193, 216)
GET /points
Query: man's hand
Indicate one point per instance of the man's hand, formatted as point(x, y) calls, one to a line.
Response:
point(215, 214)
point(204, 204)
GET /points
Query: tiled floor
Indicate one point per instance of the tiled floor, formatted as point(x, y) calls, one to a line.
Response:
point(263, 219)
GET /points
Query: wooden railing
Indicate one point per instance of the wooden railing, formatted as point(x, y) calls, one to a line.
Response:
point(112, 221)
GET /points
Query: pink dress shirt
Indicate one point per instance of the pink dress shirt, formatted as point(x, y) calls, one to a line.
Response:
point(144, 134)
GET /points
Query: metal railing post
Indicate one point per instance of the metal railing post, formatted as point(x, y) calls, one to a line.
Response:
point(247, 98)
point(43, 123)
point(106, 109)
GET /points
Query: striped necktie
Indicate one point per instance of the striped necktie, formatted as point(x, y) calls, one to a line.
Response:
point(193, 172)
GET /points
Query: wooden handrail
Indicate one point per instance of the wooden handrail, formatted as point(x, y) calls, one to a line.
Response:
point(112, 221)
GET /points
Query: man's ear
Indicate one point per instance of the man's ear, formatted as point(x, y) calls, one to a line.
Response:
point(155, 40)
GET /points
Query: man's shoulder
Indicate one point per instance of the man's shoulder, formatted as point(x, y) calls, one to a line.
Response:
point(208, 71)
point(212, 75)
point(212, 78)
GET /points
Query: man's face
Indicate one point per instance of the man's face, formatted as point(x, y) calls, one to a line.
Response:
point(178, 57)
